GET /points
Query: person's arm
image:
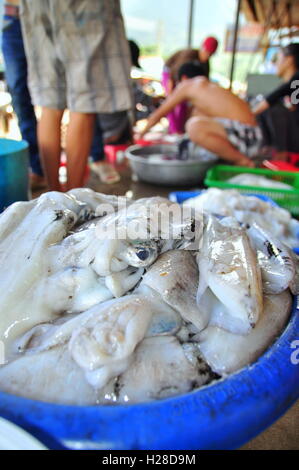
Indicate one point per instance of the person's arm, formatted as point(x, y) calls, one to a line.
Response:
point(261, 107)
point(176, 97)
point(271, 99)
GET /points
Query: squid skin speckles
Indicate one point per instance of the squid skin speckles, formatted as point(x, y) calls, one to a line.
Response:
point(228, 266)
point(274, 258)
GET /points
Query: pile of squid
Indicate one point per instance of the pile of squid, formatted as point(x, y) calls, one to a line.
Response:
point(87, 319)
point(248, 209)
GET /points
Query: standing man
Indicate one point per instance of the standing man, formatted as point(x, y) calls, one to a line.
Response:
point(16, 78)
point(79, 60)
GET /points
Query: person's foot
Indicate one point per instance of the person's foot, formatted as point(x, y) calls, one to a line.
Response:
point(245, 162)
point(105, 172)
point(37, 181)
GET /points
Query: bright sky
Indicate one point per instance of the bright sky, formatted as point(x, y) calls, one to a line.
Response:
point(148, 20)
point(168, 19)
point(165, 22)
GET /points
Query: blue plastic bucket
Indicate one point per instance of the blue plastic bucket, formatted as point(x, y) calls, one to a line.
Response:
point(224, 415)
point(14, 183)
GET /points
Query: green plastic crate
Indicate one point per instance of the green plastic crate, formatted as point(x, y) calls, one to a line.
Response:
point(288, 198)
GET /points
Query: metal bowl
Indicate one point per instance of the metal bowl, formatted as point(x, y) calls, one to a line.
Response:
point(168, 172)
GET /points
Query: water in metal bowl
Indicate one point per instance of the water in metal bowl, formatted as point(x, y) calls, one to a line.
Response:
point(160, 164)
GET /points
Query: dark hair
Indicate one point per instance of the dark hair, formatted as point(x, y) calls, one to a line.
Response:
point(292, 50)
point(135, 52)
point(191, 70)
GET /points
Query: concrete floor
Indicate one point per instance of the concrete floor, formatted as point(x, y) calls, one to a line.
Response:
point(135, 189)
point(284, 433)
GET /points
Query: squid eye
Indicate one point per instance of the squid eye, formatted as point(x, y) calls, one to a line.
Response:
point(142, 254)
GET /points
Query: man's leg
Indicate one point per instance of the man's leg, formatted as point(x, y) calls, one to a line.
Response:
point(49, 139)
point(16, 77)
point(78, 144)
point(211, 135)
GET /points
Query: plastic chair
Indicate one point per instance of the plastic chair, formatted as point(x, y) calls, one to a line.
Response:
point(115, 153)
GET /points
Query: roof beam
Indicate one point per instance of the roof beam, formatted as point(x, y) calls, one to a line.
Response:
point(260, 11)
point(235, 43)
point(248, 9)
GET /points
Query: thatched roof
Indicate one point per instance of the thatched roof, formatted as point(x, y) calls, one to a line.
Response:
point(272, 13)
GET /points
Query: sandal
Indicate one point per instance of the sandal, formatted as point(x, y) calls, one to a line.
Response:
point(105, 172)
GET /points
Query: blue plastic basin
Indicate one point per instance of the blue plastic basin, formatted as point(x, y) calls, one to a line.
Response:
point(14, 184)
point(220, 416)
